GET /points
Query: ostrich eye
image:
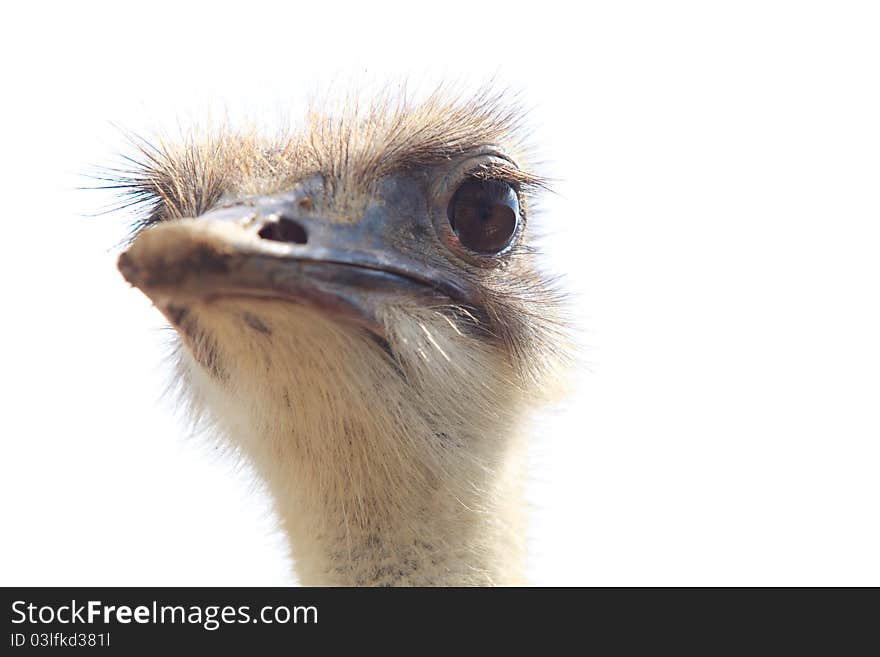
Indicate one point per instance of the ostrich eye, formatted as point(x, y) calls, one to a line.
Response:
point(484, 215)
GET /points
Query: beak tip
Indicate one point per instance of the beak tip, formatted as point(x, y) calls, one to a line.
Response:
point(127, 267)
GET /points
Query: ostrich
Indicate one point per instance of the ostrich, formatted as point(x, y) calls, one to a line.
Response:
point(358, 310)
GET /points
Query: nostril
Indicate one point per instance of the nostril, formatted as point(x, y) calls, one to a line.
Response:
point(284, 230)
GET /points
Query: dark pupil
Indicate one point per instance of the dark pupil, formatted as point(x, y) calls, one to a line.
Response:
point(483, 214)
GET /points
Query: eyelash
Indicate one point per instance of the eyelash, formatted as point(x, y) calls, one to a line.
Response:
point(525, 185)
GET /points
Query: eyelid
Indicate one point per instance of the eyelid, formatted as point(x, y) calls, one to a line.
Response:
point(487, 164)
point(517, 178)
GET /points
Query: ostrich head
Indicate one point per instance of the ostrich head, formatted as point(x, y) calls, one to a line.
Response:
point(360, 312)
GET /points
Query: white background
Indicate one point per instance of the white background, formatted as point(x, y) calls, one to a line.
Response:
point(717, 218)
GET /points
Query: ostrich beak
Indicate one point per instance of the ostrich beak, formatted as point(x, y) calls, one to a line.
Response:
point(266, 249)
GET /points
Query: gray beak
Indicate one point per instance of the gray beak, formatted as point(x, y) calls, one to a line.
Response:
point(277, 248)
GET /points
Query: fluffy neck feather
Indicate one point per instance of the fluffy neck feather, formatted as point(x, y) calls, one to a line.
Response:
point(400, 471)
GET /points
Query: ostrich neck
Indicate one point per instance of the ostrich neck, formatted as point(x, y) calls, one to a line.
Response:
point(382, 472)
point(345, 531)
